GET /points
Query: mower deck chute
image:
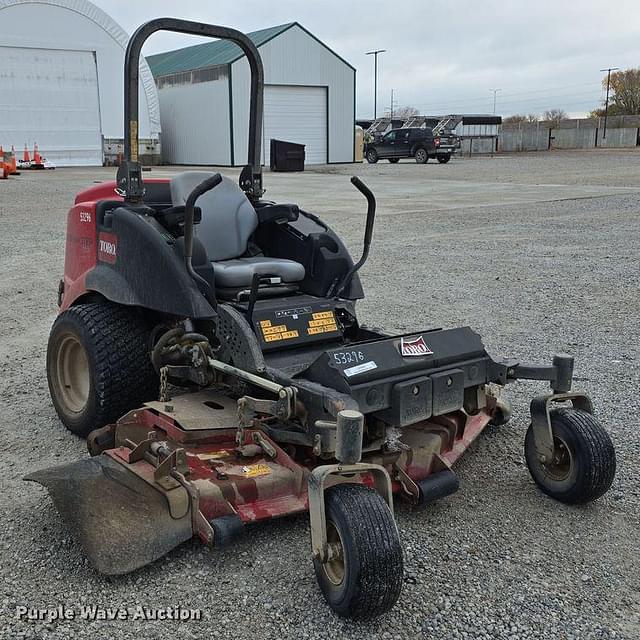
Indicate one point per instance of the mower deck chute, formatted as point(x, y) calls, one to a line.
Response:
point(121, 521)
point(287, 403)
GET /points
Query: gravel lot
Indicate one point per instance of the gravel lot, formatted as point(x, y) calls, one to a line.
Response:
point(538, 252)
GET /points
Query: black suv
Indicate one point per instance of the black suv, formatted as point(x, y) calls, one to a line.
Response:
point(409, 142)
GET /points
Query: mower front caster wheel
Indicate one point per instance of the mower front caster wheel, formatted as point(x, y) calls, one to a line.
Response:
point(362, 577)
point(584, 461)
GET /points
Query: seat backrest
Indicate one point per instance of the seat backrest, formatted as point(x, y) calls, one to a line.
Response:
point(228, 218)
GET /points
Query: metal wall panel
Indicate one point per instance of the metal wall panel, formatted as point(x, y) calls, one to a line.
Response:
point(50, 97)
point(297, 58)
point(80, 26)
point(296, 114)
point(195, 123)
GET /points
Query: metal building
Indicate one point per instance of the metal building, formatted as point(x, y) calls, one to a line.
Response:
point(204, 99)
point(61, 82)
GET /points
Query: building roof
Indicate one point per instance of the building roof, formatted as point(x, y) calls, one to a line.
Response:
point(208, 54)
point(217, 52)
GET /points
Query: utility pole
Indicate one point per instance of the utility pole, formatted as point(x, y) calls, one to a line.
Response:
point(606, 102)
point(375, 79)
point(495, 93)
point(391, 110)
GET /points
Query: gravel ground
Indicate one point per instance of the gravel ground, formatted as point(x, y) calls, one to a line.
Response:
point(533, 269)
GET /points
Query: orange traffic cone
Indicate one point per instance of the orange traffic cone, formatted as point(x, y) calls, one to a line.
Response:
point(4, 166)
point(25, 154)
point(12, 163)
point(37, 159)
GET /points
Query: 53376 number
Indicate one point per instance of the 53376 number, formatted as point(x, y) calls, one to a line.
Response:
point(348, 357)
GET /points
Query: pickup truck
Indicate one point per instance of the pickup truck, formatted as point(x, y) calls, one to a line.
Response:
point(409, 142)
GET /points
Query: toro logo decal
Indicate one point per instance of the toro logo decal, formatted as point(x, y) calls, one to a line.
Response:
point(414, 347)
point(108, 247)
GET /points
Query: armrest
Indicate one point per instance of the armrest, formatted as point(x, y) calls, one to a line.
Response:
point(278, 213)
point(173, 217)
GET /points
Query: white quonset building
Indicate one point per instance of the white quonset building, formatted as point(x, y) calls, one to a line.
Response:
point(61, 82)
point(309, 99)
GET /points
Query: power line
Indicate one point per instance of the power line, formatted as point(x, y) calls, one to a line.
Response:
point(478, 99)
point(564, 98)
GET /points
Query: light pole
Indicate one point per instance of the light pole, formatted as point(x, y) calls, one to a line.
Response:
point(606, 102)
point(495, 93)
point(375, 79)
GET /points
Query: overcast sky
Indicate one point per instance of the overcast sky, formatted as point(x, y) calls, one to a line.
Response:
point(442, 57)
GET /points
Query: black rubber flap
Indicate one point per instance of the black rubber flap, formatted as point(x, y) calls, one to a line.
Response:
point(121, 521)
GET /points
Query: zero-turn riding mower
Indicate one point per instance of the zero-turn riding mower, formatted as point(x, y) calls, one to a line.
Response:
point(289, 403)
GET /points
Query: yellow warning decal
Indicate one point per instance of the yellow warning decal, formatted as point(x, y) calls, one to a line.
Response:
point(328, 328)
point(271, 334)
point(277, 329)
point(254, 470)
point(321, 323)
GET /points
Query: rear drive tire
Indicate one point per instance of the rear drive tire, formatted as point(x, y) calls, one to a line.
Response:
point(443, 159)
point(98, 365)
point(585, 462)
point(372, 156)
point(422, 157)
point(394, 160)
point(365, 579)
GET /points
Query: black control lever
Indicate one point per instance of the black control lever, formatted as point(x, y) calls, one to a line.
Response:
point(189, 215)
point(368, 232)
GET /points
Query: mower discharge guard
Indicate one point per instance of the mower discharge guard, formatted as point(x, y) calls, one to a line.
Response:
point(121, 521)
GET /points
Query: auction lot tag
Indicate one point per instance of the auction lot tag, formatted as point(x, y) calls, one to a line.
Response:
point(360, 368)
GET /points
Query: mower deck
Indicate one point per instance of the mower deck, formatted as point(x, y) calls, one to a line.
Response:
point(259, 479)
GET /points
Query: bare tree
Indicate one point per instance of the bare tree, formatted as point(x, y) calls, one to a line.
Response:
point(520, 118)
point(554, 116)
point(402, 113)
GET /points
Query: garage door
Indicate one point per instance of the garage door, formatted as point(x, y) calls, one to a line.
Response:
point(50, 97)
point(297, 114)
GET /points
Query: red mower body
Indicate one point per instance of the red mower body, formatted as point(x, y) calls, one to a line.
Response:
point(83, 242)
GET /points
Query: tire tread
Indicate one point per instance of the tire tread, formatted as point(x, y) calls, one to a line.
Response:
point(377, 545)
point(123, 375)
point(596, 451)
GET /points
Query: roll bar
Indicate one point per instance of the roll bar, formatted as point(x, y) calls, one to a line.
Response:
point(130, 178)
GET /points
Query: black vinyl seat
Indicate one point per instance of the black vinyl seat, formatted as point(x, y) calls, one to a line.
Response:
point(228, 221)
